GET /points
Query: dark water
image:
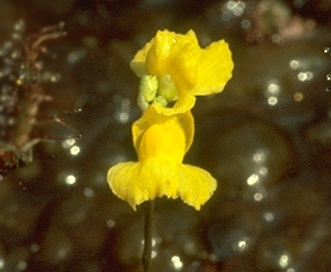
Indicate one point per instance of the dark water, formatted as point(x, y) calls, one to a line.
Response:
point(266, 138)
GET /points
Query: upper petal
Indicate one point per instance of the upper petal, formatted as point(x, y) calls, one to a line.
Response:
point(138, 64)
point(184, 60)
point(215, 68)
point(171, 54)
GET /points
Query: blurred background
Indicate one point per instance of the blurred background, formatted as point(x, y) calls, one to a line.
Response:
point(67, 102)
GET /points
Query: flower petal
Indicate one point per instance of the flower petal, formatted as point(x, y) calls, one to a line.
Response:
point(215, 68)
point(192, 70)
point(175, 55)
point(172, 130)
point(138, 64)
point(136, 182)
point(184, 61)
point(196, 185)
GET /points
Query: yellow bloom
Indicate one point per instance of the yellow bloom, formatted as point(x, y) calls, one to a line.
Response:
point(161, 142)
point(173, 67)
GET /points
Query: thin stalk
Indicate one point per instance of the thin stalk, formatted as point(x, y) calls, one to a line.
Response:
point(147, 253)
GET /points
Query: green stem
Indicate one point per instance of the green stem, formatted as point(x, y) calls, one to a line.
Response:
point(147, 254)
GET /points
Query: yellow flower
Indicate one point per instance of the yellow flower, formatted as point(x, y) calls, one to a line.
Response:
point(173, 67)
point(161, 142)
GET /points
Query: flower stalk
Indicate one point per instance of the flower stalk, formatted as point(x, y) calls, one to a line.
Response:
point(148, 243)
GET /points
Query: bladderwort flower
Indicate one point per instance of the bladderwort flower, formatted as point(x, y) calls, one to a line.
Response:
point(174, 69)
point(161, 142)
